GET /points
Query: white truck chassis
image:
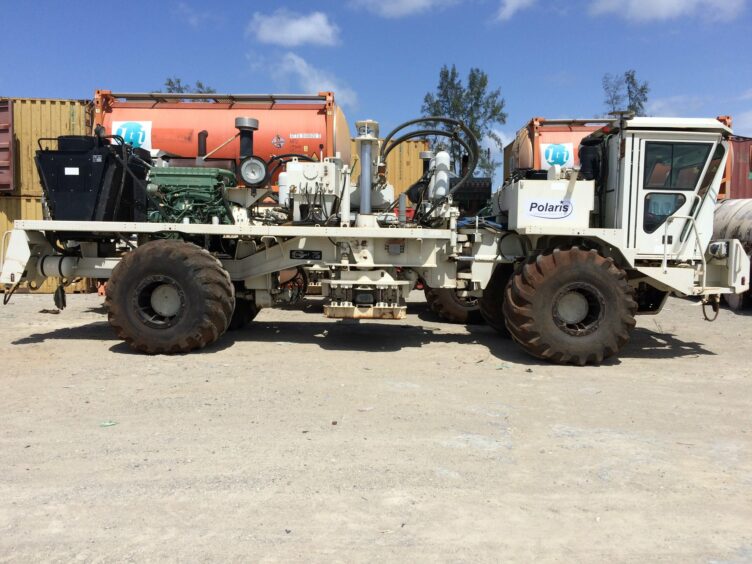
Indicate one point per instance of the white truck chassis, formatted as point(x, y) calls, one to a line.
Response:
point(565, 290)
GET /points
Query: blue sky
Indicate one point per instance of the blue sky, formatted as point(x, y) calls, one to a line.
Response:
point(381, 57)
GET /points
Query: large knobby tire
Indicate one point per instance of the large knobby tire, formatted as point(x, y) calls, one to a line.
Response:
point(169, 297)
point(738, 302)
point(245, 311)
point(450, 307)
point(570, 307)
point(491, 305)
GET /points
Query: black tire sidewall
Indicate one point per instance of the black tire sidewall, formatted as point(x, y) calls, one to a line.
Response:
point(187, 266)
point(615, 309)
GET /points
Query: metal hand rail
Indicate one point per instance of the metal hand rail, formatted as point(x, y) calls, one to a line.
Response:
point(165, 96)
point(691, 221)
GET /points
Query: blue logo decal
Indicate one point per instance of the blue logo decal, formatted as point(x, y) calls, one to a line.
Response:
point(133, 133)
point(557, 155)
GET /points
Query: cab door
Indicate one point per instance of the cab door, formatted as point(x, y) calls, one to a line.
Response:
point(674, 179)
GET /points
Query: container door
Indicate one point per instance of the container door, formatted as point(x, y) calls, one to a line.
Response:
point(6, 145)
point(671, 174)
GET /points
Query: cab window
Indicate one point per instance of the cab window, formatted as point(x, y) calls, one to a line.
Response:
point(659, 207)
point(674, 166)
point(715, 164)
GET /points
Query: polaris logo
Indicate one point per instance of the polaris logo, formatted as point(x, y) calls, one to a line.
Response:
point(550, 209)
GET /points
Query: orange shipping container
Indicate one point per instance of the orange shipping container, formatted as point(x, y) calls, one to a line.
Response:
point(546, 142)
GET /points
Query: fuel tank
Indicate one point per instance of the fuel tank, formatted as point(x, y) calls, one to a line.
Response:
point(733, 220)
point(306, 124)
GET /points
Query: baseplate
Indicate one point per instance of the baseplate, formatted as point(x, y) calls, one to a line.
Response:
point(351, 311)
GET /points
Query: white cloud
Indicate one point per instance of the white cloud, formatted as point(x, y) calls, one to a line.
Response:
point(497, 154)
point(401, 8)
point(509, 8)
point(675, 106)
point(661, 10)
point(294, 70)
point(292, 29)
point(191, 16)
point(743, 124)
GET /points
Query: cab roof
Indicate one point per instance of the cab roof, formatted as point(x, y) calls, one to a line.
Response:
point(678, 123)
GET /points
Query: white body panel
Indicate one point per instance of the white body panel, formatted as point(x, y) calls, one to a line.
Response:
point(547, 203)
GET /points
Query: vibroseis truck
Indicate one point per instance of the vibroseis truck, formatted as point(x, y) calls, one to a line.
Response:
point(563, 263)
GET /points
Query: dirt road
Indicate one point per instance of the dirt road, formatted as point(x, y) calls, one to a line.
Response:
point(305, 439)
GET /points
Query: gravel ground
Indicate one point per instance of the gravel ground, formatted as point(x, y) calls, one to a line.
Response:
point(307, 439)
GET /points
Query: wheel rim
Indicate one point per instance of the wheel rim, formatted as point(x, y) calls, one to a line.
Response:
point(578, 309)
point(159, 301)
point(468, 303)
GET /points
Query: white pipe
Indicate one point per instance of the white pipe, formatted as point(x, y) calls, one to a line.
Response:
point(284, 190)
point(442, 162)
point(366, 181)
point(402, 215)
point(344, 205)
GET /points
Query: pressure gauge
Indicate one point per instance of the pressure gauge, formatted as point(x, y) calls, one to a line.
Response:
point(253, 171)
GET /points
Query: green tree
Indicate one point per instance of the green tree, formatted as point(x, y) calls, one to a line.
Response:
point(625, 88)
point(176, 85)
point(475, 105)
point(613, 92)
point(637, 93)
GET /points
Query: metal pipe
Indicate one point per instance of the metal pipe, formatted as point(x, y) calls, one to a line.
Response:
point(344, 205)
point(230, 140)
point(201, 150)
point(215, 96)
point(402, 214)
point(366, 180)
point(246, 126)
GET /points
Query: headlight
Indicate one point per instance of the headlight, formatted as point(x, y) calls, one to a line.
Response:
point(253, 171)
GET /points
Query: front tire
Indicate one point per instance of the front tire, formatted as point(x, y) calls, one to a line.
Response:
point(570, 307)
point(169, 297)
point(738, 302)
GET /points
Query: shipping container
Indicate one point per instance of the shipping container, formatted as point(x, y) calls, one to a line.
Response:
point(403, 165)
point(740, 183)
point(543, 143)
point(6, 146)
point(23, 122)
point(30, 207)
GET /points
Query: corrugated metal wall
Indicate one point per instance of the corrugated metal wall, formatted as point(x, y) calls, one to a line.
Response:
point(35, 118)
point(30, 207)
point(403, 165)
point(741, 168)
point(6, 146)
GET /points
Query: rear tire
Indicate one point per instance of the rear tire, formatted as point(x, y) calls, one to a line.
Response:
point(450, 307)
point(169, 297)
point(570, 307)
point(245, 311)
point(491, 305)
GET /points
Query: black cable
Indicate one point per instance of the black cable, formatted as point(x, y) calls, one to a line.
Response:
point(9, 294)
point(429, 120)
point(471, 146)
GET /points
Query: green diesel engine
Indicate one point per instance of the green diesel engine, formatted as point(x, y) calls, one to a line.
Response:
point(189, 195)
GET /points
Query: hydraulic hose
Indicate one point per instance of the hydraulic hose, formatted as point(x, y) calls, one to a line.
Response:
point(471, 146)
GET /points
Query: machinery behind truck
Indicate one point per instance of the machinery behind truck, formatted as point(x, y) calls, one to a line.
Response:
point(563, 264)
